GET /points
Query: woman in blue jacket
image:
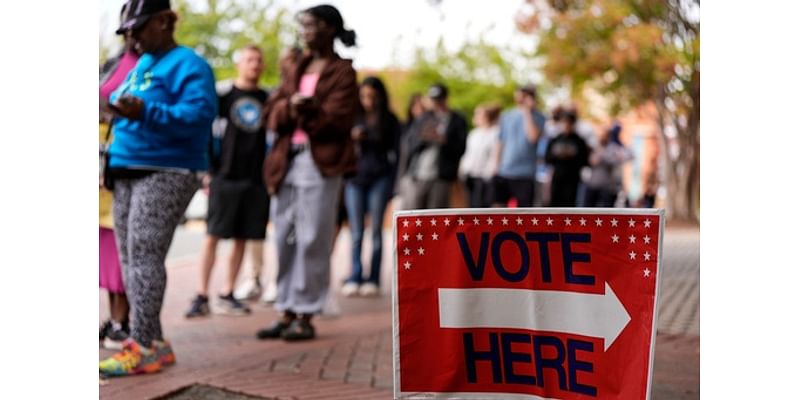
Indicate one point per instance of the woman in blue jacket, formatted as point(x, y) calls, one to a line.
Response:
point(163, 115)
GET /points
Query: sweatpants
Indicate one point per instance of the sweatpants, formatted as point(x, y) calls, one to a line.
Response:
point(304, 215)
point(146, 212)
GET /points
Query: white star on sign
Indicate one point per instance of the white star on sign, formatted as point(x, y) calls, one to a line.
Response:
point(405, 223)
point(631, 223)
point(646, 272)
point(614, 222)
point(535, 221)
point(418, 222)
point(519, 221)
point(419, 236)
point(633, 255)
point(598, 222)
point(632, 238)
point(407, 265)
point(476, 221)
point(549, 221)
point(646, 239)
point(407, 251)
point(615, 238)
point(461, 222)
point(567, 222)
point(489, 220)
point(647, 223)
point(405, 237)
point(435, 236)
point(505, 221)
point(647, 256)
point(582, 221)
point(433, 222)
point(447, 222)
point(421, 251)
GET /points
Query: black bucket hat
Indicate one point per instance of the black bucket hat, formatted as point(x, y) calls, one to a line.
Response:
point(137, 12)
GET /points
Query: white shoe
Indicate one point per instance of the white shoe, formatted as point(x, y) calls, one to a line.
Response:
point(369, 289)
point(270, 295)
point(350, 289)
point(250, 289)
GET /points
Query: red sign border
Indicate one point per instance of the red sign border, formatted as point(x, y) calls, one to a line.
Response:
point(520, 211)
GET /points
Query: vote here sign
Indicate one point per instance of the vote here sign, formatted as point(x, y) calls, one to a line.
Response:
point(525, 303)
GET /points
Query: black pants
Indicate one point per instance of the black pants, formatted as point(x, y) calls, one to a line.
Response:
point(503, 189)
point(600, 197)
point(479, 192)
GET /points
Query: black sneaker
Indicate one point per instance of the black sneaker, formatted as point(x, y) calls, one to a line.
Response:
point(299, 329)
point(115, 336)
point(104, 329)
point(228, 305)
point(199, 307)
point(274, 331)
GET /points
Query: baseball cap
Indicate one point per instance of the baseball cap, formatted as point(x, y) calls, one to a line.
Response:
point(137, 12)
point(529, 89)
point(437, 91)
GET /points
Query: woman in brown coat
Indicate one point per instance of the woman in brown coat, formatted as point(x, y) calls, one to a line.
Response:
point(312, 113)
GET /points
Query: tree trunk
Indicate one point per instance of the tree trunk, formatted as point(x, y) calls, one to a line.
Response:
point(682, 173)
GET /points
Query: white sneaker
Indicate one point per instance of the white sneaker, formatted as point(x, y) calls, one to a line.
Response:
point(350, 289)
point(369, 289)
point(270, 295)
point(250, 289)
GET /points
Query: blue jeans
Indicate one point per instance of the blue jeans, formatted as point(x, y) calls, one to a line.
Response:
point(360, 200)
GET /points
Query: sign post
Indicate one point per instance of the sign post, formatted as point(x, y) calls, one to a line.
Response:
point(525, 303)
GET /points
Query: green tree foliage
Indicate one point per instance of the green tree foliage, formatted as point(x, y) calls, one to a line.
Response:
point(217, 28)
point(634, 52)
point(476, 73)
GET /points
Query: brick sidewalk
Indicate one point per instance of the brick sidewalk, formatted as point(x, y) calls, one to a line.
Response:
point(351, 359)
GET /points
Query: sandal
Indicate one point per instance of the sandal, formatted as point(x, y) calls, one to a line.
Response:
point(299, 329)
point(273, 332)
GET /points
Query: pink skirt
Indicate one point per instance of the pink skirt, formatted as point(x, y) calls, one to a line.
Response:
point(110, 271)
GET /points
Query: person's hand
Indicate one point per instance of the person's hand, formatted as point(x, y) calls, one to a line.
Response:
point(358, 132)
point(299, 104)
point(129, 107)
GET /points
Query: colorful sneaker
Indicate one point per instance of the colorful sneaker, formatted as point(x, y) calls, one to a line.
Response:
point(250, 289)
point(199, 307)
point(228, 305)
point(164, 352)
point(115, 336)
point(134, 359)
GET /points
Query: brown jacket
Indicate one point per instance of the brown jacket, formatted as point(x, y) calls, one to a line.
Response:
point(335, 104)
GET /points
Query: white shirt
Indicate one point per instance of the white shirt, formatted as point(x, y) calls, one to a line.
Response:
point(478, 160)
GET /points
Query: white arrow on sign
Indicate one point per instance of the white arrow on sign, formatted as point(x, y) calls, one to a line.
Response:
point(595, 315)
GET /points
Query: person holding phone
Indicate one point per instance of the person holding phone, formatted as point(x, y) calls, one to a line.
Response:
point(163, 116)
point(312, 113)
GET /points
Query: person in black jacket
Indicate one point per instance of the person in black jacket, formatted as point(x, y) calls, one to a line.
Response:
point(377, 137)
point(567, 153)
point(436, 142)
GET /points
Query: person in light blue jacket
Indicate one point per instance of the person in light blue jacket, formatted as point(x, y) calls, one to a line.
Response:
point(162, 127)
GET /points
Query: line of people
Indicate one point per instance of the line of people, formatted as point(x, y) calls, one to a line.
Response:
point(292, 156)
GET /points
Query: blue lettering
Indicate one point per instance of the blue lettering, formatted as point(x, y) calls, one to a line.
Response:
point(475, 269)
point(556, 364)
point(498, 262)
point(576, 365)
point(570, 257)
point(544, 253)
point(471, 357)
point(509, 358)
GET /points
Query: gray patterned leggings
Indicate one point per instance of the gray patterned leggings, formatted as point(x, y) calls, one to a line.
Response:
point(146, 213)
